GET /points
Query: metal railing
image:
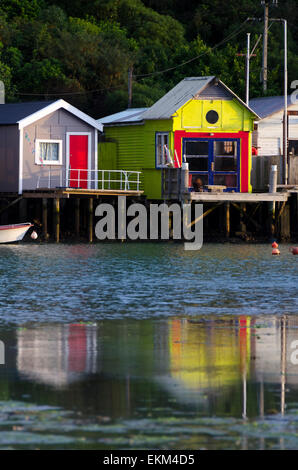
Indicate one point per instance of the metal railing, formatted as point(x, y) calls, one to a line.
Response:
point(50, 180)
point(124, 180)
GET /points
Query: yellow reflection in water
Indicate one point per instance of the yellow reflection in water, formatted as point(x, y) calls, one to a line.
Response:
point(209, 355)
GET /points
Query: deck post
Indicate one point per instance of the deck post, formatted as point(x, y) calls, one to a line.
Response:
point(271, 221)
point(90, 220)
point(170, 225)
point(285, 232)
point(272, 189)
point(242, 217)
point(296, 217)
point(227, 207)
point(45, 218)
point(57, 218)
point(77, 217)
point(23, 210)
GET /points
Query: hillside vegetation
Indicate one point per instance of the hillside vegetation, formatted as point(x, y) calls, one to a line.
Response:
point(81, 51)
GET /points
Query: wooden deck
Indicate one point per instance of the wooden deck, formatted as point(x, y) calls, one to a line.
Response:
point(239, 197)
point(67, 192)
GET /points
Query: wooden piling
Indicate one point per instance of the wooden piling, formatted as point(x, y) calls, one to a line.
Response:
point(23, 210)
point(77, 217)
point(45, 218)
point(90, 220)
point(295, 217)
point(242, 217)
point(270, 222)
point(228, 227)
point(57, 219)
point(285, 223)
point(171, 225)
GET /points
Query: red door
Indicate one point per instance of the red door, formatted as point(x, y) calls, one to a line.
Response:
point(78, 161)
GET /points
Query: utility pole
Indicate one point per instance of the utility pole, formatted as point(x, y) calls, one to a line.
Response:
point(130, 87)
point(247, 69)
point(265, 3)
point(248, 56)
point(285, 119)
point(286, 100)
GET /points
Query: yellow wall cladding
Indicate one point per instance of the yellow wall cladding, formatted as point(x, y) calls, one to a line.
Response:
point(232, 116)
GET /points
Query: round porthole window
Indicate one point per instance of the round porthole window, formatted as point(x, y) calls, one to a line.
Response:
point(212, 117)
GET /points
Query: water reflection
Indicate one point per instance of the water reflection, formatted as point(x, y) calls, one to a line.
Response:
point(205, 382)
point(196, 360)
point(57, 355)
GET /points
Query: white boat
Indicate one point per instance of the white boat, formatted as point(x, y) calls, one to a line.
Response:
point(13, 232)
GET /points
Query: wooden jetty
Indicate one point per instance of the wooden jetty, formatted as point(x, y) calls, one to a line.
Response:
point(49, 207)
point(255, 215)
point(68, 212)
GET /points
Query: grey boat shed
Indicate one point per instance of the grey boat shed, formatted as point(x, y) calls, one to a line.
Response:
point(46, 144)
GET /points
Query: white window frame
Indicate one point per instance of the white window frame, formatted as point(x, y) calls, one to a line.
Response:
point(48, 162)
point(163, 135)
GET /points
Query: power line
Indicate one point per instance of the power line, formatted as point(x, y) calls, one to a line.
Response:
point(142, 76)
point(71, 92)
point(230, 36)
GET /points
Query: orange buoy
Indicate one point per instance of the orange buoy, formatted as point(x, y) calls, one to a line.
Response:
point(294, 250)
point(275, 251)
point(274, 245)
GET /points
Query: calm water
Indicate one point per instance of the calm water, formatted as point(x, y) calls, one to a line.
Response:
point(146, 346)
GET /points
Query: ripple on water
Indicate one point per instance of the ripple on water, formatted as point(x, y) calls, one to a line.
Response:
point(25, 425)
point(66, 282)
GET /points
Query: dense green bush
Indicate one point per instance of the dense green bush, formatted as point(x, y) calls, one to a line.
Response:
point(82, 50)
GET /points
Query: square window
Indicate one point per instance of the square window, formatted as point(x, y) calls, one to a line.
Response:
point(163, 156)
point(196, 154)
point(48, 152)
point(225, 147)
point(293, 147)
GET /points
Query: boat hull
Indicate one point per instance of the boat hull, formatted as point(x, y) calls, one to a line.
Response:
point(13, 233)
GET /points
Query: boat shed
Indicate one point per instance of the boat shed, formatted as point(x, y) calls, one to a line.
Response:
point(268, 139)
point(200, 122)
point(46, 144)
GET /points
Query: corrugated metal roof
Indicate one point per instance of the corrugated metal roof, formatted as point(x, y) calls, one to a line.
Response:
point(129, 115)
point(264, 107)
point(13, 113)
point(177, 97)
point(173, 100)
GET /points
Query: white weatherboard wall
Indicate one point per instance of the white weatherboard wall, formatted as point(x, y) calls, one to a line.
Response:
point(269, 136)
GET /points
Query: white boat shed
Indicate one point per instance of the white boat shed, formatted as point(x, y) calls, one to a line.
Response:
point(268, 138)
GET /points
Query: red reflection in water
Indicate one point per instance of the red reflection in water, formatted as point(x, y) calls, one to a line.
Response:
point(77, 348)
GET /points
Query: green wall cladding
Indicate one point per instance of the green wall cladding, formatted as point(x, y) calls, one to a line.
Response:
point(135, 147)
